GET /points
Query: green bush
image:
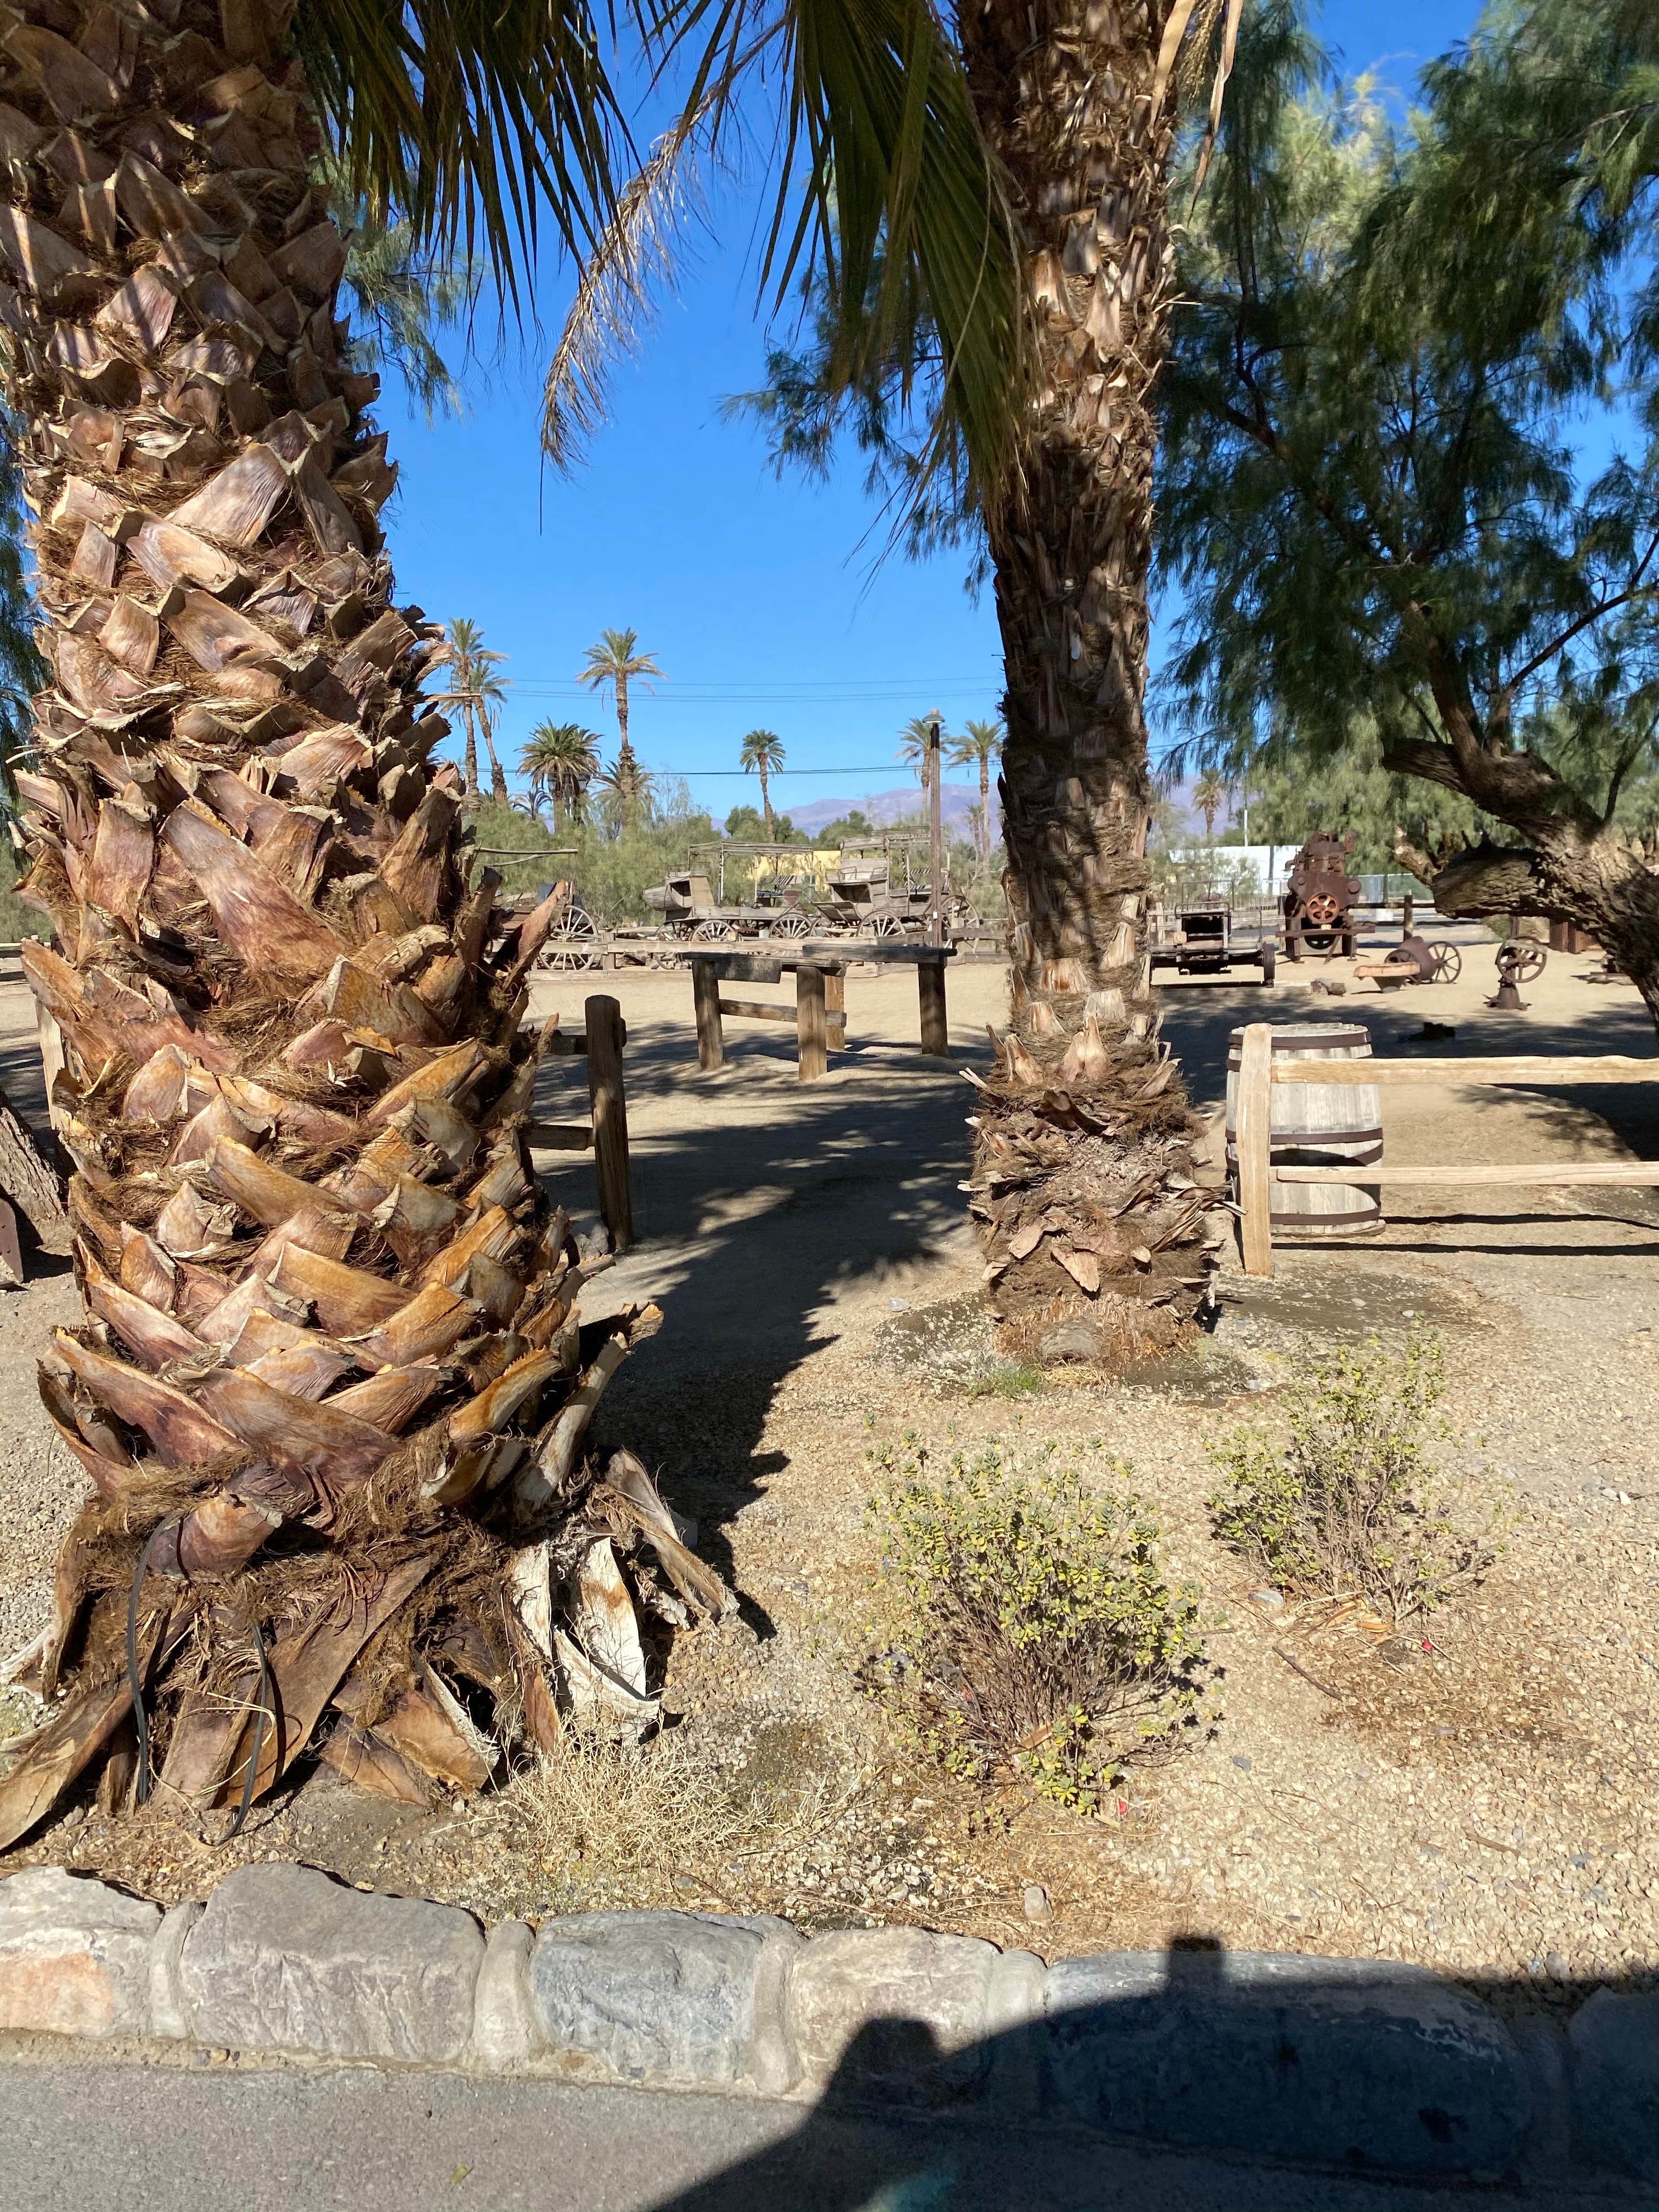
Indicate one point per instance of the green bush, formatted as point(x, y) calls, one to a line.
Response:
point(1352, 1502)
point(1029, 1627)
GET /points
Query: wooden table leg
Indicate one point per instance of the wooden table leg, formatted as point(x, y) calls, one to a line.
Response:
point(605, 1089)
point(935, 1029)
point(834, 1002)
point(811, 1031)
point(706, 999)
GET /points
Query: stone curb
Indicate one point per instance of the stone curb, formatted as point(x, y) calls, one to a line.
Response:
point(1353, 2063)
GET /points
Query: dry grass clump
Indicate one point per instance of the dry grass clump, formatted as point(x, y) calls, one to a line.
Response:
point(1352, 1502)
point(651, 1819)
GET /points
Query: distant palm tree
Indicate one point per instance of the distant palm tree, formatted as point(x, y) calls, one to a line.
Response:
point(981, 743)
point(628, 785)
point(763, 756)
point(476, 689)
point(560, 760)
point(611, 665)
point(917, 751)
point(1209, 795)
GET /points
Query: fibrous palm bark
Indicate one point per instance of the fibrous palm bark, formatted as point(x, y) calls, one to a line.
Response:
point(1086, 1143)
point(330, 1386)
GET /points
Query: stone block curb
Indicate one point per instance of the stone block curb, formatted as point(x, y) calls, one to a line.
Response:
point(1358, 2064)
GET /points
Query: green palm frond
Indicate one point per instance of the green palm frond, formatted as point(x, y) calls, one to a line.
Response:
point(883, 191)
point(472, 120)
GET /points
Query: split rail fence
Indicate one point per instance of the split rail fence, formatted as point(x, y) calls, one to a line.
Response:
point(1259, 1068)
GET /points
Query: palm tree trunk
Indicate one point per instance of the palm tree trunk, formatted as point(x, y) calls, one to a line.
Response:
point(985, 810)
point(326, 1302)
point(624, 755)
point(766, 807)
point(497, 774)
point(1085, 1148)
point(470, 774)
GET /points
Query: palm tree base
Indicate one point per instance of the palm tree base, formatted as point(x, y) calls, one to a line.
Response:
point(1097, 1239)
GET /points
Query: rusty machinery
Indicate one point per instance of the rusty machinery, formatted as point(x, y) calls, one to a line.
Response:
point(1320, 897)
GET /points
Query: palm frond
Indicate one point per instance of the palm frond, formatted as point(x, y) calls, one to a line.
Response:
point(473, 121)
point(636, 261)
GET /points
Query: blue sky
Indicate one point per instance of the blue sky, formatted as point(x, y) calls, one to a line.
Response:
point(764, 602)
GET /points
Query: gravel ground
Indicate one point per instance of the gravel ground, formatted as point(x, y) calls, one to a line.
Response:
point(1486, 1805)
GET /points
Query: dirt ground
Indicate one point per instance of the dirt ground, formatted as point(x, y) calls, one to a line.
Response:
point(1487, 1804)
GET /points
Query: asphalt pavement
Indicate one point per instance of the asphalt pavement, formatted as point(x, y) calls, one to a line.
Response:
point(88, 2135)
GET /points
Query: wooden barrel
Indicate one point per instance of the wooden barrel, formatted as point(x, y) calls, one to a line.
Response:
point(1317, 1125)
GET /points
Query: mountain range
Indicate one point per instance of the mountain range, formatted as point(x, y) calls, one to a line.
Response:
point(956, 802)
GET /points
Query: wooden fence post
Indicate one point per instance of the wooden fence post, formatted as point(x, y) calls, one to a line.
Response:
point(1253, 1114)
point(935, 1026)
point(706, 999)
point(811, 1031)
point(605, 1089)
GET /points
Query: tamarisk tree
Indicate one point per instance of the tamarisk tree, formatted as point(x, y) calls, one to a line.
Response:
point(1380, 498)
point(329, 1389)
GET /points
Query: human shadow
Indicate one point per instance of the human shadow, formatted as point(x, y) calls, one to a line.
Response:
point(1248, 2083)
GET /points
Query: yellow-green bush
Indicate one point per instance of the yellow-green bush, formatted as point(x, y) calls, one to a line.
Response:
point(1027, 1622)
point(1351, 1502)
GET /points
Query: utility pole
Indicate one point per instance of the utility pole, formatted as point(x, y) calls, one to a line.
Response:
point(934, 761)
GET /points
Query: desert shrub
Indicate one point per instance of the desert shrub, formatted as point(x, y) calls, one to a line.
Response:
point(1351, 1502)
point(1029, 1627)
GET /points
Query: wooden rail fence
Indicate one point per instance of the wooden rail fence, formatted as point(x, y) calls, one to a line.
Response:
point(606, 1134)
point(1259, 1069)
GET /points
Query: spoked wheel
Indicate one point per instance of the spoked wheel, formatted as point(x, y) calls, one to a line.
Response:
point(1445, 964)
point(886, 925)
point(711, 933)
point(575, 944)
point(1521, 958)
point(792, 922)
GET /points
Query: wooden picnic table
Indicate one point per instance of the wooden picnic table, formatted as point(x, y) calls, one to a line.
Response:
point(819, 967)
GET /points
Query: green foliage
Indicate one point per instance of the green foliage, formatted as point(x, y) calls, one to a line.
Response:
point(844, 829)
point(397, 297)
point(609, 867)
point(1386, 367)
point(1351, 1501)
point(1030, 1628)
point(749, 823)
point(1353, 792)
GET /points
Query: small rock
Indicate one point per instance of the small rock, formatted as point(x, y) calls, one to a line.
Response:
point(1036, 1902)
point(1242, 1762)
point(1270, 1601)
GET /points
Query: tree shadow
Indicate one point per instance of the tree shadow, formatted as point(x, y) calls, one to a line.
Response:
point(1191, 2079)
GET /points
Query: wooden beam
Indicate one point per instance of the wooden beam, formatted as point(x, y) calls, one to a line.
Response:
point(759, 1010)
point(1253, 1137)
point(1526, 1068)
point(560, 1136)
point(812, 1030)
point(604, 1090)
point(1630, 1173)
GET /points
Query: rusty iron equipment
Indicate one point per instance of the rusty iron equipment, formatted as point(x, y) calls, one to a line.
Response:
point(1518, 960)
point(1317, 909)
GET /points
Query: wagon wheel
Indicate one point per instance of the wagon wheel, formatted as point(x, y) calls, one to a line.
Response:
point(886, 925)
point(1445, 964)
point(791, 923)
point(575, 944)
point(711, 932)
point(1521, 959)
